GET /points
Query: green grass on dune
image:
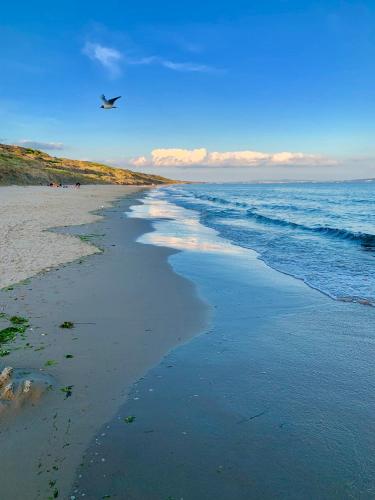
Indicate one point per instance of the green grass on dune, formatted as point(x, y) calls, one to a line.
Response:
point(26, 166)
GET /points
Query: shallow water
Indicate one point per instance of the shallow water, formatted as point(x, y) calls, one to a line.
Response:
point(323, 234)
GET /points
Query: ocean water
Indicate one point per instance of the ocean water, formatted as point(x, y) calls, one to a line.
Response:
point(321, 233)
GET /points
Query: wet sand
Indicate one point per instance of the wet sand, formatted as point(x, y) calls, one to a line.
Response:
point(127, 315)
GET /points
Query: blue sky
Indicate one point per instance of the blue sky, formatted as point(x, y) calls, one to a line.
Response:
point(231, 90)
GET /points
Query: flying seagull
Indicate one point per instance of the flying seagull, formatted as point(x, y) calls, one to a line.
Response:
point(109, 103)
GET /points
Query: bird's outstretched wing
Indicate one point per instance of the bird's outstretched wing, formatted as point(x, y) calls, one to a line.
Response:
point(102, 97)
point(113, 100)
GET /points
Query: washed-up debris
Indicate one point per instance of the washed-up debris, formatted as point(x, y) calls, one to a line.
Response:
point(19, 320)
point(18, 387)
point(7, 393)
point(67, 390)
point(129, 419)
point(55, 491)
point(9, 333)
point(5, 375)
point(26, 386)
point(50, 362)
point(88, 237)
point(18, 326)
point(67, 324)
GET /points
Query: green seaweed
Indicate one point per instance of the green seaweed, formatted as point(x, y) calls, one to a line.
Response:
point(50, 362)
point(8, 334)
point(26, 281)
point(67, 324)
point(4, 352)
point(19, 320)
point(129, 419)
point(67, 390)
point(88, 237)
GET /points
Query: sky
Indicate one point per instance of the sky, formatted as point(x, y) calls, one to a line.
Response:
point(221, 91)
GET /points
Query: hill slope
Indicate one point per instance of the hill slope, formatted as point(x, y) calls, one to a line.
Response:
point(25, 166)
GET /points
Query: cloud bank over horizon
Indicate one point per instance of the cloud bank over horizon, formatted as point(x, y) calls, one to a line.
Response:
point(178, 157)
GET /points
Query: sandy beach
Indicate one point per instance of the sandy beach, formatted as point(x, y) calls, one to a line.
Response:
point(123, 325)
point(26, 248)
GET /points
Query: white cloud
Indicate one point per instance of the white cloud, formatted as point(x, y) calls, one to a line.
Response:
point(112, 59)
point(175, 157)
point(236, 158)
point(26, 143)
point(108, 57)
point(172, 157)
point(139, 162)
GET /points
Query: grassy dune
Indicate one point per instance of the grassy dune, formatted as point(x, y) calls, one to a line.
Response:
point(25, 166)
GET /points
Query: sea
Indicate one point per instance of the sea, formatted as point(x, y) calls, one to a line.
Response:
point(320, 233)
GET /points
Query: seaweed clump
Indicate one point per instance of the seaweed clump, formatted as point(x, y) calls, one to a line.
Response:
point(67, 324)
point(18, 320)
point(18, 326)
point(10, 332)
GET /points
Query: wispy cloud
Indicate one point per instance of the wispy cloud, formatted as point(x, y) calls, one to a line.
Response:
point(26, 143)
point(107, 57)
point(173, 65)
point(113, 60)
point(175, 157)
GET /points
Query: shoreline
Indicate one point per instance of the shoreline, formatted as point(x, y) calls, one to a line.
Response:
point(122, 327)
point(282, 376)
point(274, 401)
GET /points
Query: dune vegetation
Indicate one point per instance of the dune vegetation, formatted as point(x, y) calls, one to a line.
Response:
point(25, 166)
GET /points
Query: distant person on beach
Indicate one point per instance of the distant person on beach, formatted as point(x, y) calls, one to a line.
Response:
point(78, 185)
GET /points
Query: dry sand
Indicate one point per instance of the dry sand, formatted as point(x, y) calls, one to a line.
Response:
point(25, 214)
point(129, 309)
